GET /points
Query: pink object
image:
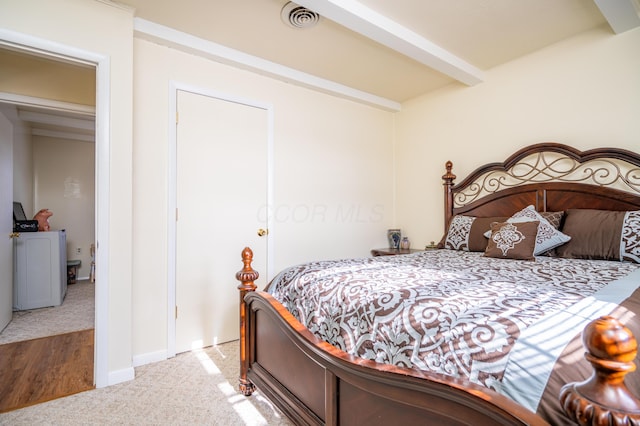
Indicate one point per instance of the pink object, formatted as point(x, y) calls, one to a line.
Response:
point(43, 219)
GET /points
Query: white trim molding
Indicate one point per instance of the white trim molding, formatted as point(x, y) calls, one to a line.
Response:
point(149, 358)
point(190, 44)
point(121, 376)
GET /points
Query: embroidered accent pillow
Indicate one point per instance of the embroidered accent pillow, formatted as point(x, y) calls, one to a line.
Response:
point(548, 236)
point(602, 234)
point(512, 240)
point(467, 233)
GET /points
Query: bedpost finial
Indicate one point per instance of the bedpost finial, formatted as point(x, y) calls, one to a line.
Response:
point(247, 275)
point(247, 257)
point(606, 338)
point(611, 349)
point(448, 177)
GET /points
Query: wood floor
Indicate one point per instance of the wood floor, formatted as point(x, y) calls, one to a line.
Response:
point(39, 370)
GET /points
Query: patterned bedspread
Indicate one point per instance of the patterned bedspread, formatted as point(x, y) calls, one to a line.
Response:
point(443, 311)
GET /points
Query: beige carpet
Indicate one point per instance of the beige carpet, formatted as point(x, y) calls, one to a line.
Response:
point(75, 313)
point(193, 388)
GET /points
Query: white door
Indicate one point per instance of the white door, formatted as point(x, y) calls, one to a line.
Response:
point(221, 191)
point(6, 222)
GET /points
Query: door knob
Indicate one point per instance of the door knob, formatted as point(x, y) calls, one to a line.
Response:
point(14, 235)
point(262, 232)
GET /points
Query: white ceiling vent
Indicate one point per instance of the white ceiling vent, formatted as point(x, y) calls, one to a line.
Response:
point(297, 16)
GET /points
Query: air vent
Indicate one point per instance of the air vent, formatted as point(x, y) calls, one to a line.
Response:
point(297, 16)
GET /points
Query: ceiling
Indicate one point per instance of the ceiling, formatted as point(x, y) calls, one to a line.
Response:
point(393, 50)
point(380, 52)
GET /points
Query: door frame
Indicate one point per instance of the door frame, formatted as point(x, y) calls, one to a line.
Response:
point(60, 52)
point(172, 177)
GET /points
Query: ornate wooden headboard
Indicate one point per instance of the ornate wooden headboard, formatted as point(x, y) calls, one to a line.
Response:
point(550, 176)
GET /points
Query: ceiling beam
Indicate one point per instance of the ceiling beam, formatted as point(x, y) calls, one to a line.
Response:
point(87, 111)
point(375, 26)
point(63, 135)
point(57, 120)
point(622, 15)
point(184, 42)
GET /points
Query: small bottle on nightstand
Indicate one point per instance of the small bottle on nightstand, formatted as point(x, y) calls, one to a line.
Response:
point(405, 244)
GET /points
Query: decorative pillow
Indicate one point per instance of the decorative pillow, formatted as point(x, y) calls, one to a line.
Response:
point(467, 233)
point(548, 237)
point(554, 218)
point(602, 234)
point(512, 240)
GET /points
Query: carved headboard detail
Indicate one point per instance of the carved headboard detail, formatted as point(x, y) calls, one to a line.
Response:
point(550, 176)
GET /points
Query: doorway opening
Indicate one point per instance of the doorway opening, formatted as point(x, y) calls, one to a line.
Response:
point(98, 64)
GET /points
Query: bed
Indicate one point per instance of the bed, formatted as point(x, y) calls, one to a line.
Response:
point(540, 257)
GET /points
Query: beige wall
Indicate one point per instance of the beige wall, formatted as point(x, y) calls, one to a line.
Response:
point(35, 76)
point(64, 181)
point(105, 30)
point(583, 92)
point(333, 184)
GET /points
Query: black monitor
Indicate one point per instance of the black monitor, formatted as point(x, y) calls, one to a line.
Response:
point(18, 211)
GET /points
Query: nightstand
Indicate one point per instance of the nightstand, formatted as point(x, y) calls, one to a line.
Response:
point(392, 251)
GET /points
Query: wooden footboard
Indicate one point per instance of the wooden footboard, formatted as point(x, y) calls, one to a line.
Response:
point(313, 382)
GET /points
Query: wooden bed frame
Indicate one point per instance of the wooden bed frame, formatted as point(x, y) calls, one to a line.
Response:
point(313, 382)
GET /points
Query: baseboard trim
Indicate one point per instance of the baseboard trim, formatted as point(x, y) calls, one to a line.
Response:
point(127, 374)
point(149, 358)
point(121, 376)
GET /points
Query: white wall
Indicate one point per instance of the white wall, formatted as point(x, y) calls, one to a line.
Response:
point(22, 161)
point(22, 168)
point(583, 92)
point(65, 184)
point(333, 173)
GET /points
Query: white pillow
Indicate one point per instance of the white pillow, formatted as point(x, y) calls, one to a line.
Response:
point(548, 236)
